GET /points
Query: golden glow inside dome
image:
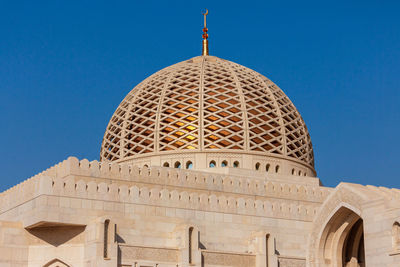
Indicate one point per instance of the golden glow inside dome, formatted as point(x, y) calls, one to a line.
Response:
point(207, 104)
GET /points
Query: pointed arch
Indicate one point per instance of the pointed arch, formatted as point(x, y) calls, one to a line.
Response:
point(337, 227)
point(56, 263)
point(342, 239)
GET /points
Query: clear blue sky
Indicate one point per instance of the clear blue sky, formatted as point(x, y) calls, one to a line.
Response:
point(66, 65)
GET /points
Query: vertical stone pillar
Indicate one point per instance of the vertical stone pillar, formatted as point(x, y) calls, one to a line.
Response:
point(95, 244)
point(264, 248)
point(190, 254)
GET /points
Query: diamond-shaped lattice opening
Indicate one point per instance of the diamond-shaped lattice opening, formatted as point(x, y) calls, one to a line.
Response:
point(221, 108)
point(179, 111)
point(133, 123)
point(262, 113)
point(139, 133)
point(298, 144)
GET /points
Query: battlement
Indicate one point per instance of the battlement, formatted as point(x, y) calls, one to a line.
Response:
point(157, 196)
point(112, 182)
point(180, 178)
point(186, 189)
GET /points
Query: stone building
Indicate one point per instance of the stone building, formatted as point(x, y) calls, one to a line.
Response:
point(205, 163)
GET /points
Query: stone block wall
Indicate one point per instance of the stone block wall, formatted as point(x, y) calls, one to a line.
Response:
point(151, 210)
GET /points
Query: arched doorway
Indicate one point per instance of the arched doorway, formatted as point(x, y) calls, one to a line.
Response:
point(342, 240)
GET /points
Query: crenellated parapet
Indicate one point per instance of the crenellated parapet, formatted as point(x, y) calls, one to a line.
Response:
point(157, 196)
point(170, 188)
point(186, 178)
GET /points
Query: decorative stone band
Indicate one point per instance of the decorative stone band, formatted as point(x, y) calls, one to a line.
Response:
point(291, 261)
point(129, 253)
point(218, 258)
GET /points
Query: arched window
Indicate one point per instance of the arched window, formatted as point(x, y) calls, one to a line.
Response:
point(293, 171)
point(236, 164)
point(299, 173)
point(258, 166)
point(267, 167)
point(396, 236)
point(166, 164)
point(277, 169)
point(190, 241)
point(212, 164)
point(145, 165)
point(224, 163)
point(177, 165)
point(105, 239)
point(189, 165)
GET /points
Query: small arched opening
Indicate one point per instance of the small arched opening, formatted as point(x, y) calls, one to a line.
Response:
point(189, 165)
point(396, 237)
point(277, 169)
point(266, 249)
point(190, 241)
point(166, 164)
point(212, 164)
point(105, 238)
point(177, 165)
point(267, 167)
point(258, 166)
point(236, 164)
point(224, 163)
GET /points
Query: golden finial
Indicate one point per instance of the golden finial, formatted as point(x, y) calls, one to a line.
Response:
point(205, 34)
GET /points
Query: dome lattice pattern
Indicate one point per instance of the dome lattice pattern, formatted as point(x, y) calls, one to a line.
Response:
point(207, 104)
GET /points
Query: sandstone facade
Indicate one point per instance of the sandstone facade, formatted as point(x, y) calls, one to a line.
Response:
point(81, 213)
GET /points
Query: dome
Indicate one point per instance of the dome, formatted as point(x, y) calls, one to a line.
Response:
point(209, 108)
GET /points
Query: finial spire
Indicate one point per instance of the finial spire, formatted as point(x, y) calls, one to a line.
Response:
point(205, 34)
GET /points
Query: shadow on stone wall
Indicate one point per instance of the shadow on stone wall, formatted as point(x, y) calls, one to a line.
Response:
point(57, 235)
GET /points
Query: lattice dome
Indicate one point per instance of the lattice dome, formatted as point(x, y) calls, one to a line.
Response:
point(207, 104)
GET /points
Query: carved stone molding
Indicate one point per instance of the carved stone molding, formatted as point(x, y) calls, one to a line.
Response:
point(291, 262)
